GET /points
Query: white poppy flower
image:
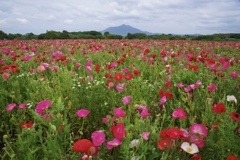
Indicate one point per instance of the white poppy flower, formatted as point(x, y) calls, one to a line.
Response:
point(231, 98)
point(191, 149)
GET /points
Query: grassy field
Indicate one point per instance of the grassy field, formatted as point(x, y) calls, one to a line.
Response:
point(119, 99)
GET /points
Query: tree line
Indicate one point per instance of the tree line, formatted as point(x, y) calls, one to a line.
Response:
point(98, 35)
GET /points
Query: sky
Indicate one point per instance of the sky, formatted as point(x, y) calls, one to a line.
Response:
point(156, 16)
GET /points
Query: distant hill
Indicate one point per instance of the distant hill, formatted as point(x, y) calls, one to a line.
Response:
point(124, 30)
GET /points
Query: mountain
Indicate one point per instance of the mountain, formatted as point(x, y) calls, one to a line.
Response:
point(124, 30)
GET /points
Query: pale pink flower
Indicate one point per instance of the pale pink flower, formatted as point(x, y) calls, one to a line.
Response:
point(113, 143)
point(140, 108)
point(45, 65)
point(199, 129)
point(179, 113)
point(120, 87)
point(82, 113)
point(145, 135)
point(119, 112)
point(98, 138)
point(126, 99)
point(40, 69)
point(11, 106)
point(5, 76)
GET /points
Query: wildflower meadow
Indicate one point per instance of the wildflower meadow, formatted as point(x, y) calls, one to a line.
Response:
point(119, 100)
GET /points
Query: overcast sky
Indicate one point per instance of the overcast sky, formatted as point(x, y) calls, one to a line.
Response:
point(157, 16)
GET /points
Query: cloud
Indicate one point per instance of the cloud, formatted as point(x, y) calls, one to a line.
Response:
point(165, 16)
point(68, 21)
point(22, 20)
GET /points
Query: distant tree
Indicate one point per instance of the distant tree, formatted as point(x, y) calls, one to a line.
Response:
point(64, 35)
point(29, 36)
point(3, 35)
point(52, 35)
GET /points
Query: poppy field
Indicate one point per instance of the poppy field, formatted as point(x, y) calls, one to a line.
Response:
point(119, 99)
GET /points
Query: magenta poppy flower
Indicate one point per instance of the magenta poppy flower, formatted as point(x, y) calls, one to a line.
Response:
point(21, 106)
point(234, 74)
point(163, 100)
point(88, 69)
point(119, 112)
point(145, 135)
point(98, 138)
point(82, 113)
point(126, 99)
point(113, 143)
point(179, 113)
point(144, 113)
point(199, 129)
point(212, 87)
point(54, 68)
point(180, 85)
point(11, 106)
point(78, 65)
point(40, 109)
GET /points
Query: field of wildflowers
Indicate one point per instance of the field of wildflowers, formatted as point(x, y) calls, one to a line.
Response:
point(119, 99)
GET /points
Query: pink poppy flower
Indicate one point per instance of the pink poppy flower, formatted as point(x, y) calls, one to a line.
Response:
point(40, 109)
point(126, 99)
point(197, 140)
point(212, 87)
point(21, 106)
point(119, 112)
point(5, 76)
point(88, 69)
point(199, 129)
point(180, 85)
point(98, 138)
point(145, 135)
point(54, 68)
point(234, 74)
point(113, 143)
point(179, 113)
point(82, 113)
point(40, 69)
point(11, 106)
point(163, 100)
point(120, 87)
point(78, 65)
point(144, 113)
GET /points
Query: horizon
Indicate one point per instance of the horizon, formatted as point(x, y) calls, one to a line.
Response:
point(166, 17)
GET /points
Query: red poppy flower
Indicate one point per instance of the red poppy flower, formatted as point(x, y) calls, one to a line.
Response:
point(219, 108)
point(165, 144)
point(118, 77)
point(232, 157)
point(118, 131)
point(136, 72)
point(128, 76)
point(195, 157)
point(82, 146)
point(169, 94)
point(97, 67)
point(193, 67)
point(26, 125)
point(146, 51)
point(62, 58)
point(110, 84)
point(235, 116)
point(168, 84)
